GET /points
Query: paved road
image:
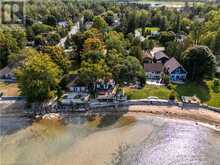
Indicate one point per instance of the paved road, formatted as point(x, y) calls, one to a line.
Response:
point(75, 28)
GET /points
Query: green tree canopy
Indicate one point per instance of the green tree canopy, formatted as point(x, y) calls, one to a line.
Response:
point(132, 71)
point(115, 61)
point(115, 40)
point(39, 77)
point(8, 45)
point(199, 62)
point(58, 56)
point(99, 23)
point(88, 15)
point(137, 52)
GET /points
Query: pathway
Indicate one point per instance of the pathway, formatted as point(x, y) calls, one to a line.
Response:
point(74, 29)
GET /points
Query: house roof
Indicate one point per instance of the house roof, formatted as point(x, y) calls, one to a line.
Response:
point(157, 49)
point(159, 55)
point(218, 69)
point(62, 23)
point(155, 67)
point(5, 70)
point(147, 55)
point(72, 81)
point(172, 64)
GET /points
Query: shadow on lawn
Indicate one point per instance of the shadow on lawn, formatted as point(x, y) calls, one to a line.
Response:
point(201, 90)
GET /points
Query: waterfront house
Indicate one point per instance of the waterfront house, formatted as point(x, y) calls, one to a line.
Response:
point(7, 73)
point(153, 71)
point(147, 57)
point(160, 57)
point(104, 87)
point(157, 49)
point(175, 70)
point(74, 86)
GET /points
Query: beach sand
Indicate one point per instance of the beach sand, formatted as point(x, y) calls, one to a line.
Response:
point(195, 114)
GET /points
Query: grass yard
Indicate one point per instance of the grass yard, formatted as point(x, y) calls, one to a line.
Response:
point(152, 29)
point(148, 90)
point(149, 29)
point(9, 89)
point(203, 91)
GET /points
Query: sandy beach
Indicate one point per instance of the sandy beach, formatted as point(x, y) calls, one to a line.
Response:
point(195, 114)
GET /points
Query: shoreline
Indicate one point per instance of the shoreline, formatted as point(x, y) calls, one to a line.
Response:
point(174, 112)
point(198, 115)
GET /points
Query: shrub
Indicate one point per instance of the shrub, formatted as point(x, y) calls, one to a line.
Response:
point(171, 86)
point(166, 79)
point(216, 82)
point(215, 85)
point(172, 95)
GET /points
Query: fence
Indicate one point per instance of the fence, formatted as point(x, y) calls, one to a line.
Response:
point(113, 105)
point(215, 109)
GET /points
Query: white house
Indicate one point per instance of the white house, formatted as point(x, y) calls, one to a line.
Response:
point(153, 71)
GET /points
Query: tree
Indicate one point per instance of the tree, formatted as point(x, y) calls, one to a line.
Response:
point(215, 85)
point(88, 15)
point(39, 40)
point(172, 95)
point(216, 42)
point(132, 71)
point(93, 44)
point(199, 62)
point(41, 28)
point(77, 40)
point(53, 38)
point(58, 56)
point(114, 61)
point(115, 40)
point(20, 36)
point(166, 37)
point(137, 52)
point(147, 44)
point(175, 49)
point(38, 78)
point(8, 45)
point(210, 34)
point(99, 23)
point(93, 33)
point(90, 72)
point(92, 56)
point(196, 32)
point(185, 24)
point(50, 20)
point(109, 17)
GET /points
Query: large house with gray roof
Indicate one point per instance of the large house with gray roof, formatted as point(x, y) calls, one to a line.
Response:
point(175, 70)
point(153, 71)
point(156, 62)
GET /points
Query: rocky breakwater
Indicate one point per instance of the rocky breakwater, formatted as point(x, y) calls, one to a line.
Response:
point(50, 117)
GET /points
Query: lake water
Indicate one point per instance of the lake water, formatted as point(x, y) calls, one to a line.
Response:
point(105, 140)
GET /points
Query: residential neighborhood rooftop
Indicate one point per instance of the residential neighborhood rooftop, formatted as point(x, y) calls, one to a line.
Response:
point(157, 49)
point(147, 55)
point(159, 55)
point(154, 67)
point(172, 64)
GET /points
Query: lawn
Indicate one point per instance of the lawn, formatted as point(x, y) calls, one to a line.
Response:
point(148, 90)
point(203, 91)
point(152, 29)
point(9, 89)
point(149, 29)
